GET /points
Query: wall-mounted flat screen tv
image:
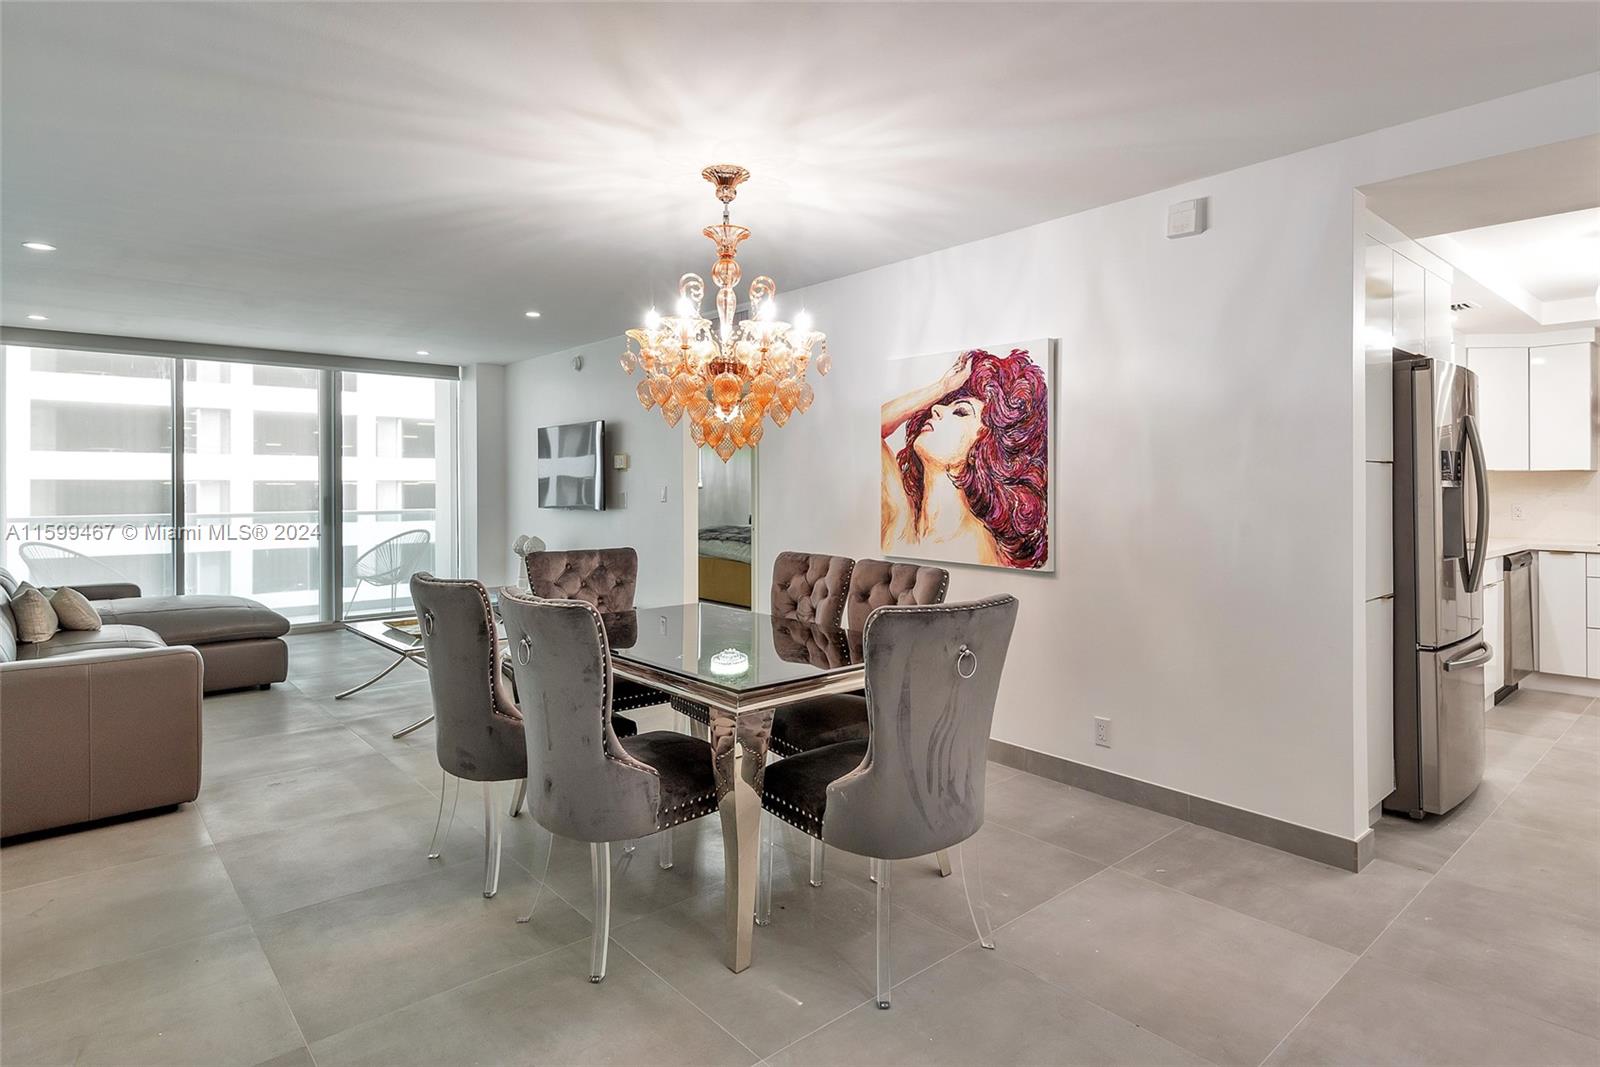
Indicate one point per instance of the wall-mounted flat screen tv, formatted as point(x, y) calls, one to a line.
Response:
point(572, 470)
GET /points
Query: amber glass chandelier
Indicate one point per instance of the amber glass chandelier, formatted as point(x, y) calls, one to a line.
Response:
point(726, 380)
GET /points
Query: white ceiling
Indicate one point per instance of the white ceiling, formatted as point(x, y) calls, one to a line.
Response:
point(1545, 180)
point(373, 179)
point(1553, 258)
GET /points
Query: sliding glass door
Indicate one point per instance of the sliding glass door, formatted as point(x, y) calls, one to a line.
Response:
point(316, 492)
point(252, 486)
point(88, 468)
point(397, 491)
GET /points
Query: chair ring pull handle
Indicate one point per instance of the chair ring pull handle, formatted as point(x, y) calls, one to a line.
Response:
point(962, 656)
point(427, 623)
point(524, 650)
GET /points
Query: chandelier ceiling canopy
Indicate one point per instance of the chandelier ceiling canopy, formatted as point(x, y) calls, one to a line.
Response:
point(727, 379)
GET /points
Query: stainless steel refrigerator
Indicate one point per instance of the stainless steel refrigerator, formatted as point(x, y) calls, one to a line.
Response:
point(1441, 526)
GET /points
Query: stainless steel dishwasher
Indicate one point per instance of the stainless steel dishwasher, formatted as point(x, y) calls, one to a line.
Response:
point(1518, 640)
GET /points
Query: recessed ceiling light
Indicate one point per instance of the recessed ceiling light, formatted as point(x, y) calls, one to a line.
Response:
point(38, 318)
point(422, 352)
point(38, 246)
point(531, 314)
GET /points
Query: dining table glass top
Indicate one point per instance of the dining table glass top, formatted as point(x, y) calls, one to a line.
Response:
point(732, 648)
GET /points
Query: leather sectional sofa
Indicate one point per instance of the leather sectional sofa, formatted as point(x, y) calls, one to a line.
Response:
point(106, 722)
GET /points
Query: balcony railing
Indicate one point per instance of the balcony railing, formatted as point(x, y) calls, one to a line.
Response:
point(224, 552)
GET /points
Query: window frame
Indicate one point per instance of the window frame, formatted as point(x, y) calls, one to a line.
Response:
point(331, 374)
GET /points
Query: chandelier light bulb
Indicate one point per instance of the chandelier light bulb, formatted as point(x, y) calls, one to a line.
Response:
point(727, 376)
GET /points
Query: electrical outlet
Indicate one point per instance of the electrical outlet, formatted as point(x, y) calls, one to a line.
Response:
point(1518, 512)
point(1102, 731)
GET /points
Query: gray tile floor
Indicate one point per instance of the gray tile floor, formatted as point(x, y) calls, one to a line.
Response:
point(292, 917)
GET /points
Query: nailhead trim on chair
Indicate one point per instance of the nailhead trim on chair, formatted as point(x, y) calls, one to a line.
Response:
point(814, 829)
point(866, 631)
point(488, 618)
point(643, 700)
point(693, 709)
point(693, 808)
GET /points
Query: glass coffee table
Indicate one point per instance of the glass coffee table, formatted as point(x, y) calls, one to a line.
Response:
point(403, 639)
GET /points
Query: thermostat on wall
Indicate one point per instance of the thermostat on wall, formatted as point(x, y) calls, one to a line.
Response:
point(1187, 218)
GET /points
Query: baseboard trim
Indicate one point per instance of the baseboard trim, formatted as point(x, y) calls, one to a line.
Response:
point(1562, 683)
point(1319, 845)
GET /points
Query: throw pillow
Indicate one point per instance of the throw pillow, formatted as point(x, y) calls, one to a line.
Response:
point(73, 610)
point(36, 619)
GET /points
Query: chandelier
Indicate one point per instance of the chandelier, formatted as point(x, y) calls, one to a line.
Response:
point(726, 380)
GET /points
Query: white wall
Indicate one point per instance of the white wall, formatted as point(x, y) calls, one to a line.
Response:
point(485, 549)
point(1210, 596)
point(548, 391)
point(1210, 461)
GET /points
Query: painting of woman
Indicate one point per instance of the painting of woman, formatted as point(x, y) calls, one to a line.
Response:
point(966, 462)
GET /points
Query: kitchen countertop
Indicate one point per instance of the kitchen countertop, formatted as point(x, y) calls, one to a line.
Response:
point(1505, 546)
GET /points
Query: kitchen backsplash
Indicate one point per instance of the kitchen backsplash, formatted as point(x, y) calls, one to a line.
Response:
point(1558, 505)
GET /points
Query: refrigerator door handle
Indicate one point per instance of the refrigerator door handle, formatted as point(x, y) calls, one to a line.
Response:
point(1480, 477)
point(1482, 654)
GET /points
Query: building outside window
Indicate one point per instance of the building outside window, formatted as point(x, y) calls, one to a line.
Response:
point(88, 442)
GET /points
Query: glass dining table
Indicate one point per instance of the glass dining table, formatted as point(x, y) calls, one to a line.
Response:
point(741, 665)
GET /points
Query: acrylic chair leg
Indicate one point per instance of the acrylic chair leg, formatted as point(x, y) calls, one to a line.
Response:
point(600, 874)
point(882, 870)
point(943, 858)
point(438, 820)
point(664, 860)
point(818, 850)
point(985, 931)
point(764, 874)
point(434, 846)
point(519, 799)
point(541, 872)
point(491, 842)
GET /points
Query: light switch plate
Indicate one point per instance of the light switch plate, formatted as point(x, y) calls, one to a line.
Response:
point(1187, 218)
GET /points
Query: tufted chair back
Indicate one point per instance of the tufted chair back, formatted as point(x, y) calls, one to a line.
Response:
point(478, 735)
point(604, 577)
point(802, 642)
point(932, 677)
point(582, 784)
point(810, 587)
point(875, 583)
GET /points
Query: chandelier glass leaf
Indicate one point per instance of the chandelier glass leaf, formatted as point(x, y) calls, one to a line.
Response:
point(725, 377)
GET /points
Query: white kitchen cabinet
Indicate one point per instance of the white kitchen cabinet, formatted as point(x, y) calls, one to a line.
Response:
point(1502, 405)
point(1560, 392)
point(1380, 529)
point(1410, 320)
point(1380, 699)
point(1594, 654)
point(1562, 605)
point(1494, 671)
point(1593, 616)
point(1379, 341)
point(1437, 331)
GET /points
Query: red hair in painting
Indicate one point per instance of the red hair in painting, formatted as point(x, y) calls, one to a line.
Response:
point(1006, 475)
